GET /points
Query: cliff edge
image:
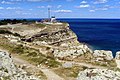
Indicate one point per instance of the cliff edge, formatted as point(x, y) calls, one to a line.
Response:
point(53, 45)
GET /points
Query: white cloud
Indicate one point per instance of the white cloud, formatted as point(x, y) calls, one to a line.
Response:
point(5, 2)
point(63, 11)
point(91, 10)
point(1, 8)
point(83, 2)
point(83, 6)
point(59, 6)
point(102, 9)
point(12, 8)
point(22, 13)
point(100, 1)
point(18, 12)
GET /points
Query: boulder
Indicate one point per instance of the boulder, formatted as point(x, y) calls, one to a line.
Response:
point(117, 55)
point(117, 59)
point(106, 55)
point(98, 74)
point(8, 71)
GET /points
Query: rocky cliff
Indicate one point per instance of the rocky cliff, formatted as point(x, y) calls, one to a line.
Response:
point(62, 39)
point(61, 42)
point(8, 71)
point(65, 44)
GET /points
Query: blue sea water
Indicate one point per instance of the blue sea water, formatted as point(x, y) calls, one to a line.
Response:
point(102, 34)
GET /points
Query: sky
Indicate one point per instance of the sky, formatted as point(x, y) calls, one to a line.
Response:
point(60, 8)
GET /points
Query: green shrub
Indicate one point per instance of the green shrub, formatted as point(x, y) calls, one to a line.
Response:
point(40, 25)
point(18, 49)
point(53, 63)
point(5, 32)
point(16, 34)
point(34, 54)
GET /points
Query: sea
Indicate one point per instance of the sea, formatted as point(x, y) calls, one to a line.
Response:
point(99, 34)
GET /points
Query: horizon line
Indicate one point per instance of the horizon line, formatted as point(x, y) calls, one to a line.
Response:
point(59, 18)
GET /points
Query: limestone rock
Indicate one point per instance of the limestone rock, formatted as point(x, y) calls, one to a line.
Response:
point(117, 55)
point(73, 51)
point(67, 64)
point(117, 59)
point(98, 74)
point(8, 71)
point(107, 55)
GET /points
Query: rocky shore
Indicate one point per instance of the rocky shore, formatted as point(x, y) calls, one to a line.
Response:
point(61, 43)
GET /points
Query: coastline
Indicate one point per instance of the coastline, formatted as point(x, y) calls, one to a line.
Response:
point(55, 46)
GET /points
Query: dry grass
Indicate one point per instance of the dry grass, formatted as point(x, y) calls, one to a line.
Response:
point(71, 72)
point(31, 55)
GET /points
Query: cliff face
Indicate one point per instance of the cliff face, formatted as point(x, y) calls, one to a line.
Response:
point(61, 42)
point(65, 44)
point(62, 39)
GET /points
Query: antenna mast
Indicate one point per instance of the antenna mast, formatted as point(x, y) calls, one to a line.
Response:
point(49, 13)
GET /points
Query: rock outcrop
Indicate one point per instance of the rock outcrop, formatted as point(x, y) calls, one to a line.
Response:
point(117, 59)
point(117, 55)
point(8, 71)
point(103, 55)
point(72, 51)
point(61, 38)
point(62, 43)
point(98, 74)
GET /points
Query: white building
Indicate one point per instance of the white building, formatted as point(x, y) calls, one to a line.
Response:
point(53, 19)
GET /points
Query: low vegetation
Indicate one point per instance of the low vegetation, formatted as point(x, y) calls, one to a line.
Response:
point(40, 25)
point(5, 32)
point(30, 54)
point(8, 32)
point(15, 21)
point(36, 72)
point(71, 72)
point(105, 63)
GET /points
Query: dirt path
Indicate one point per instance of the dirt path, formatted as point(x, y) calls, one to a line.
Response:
point(84, 64)
point(90, 65)
point(49, 73)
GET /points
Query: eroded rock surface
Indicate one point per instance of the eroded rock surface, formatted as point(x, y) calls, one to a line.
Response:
point(117, 59)
point(8, 71)
point(98, 74)
point(103, 55)
point(117, 55)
